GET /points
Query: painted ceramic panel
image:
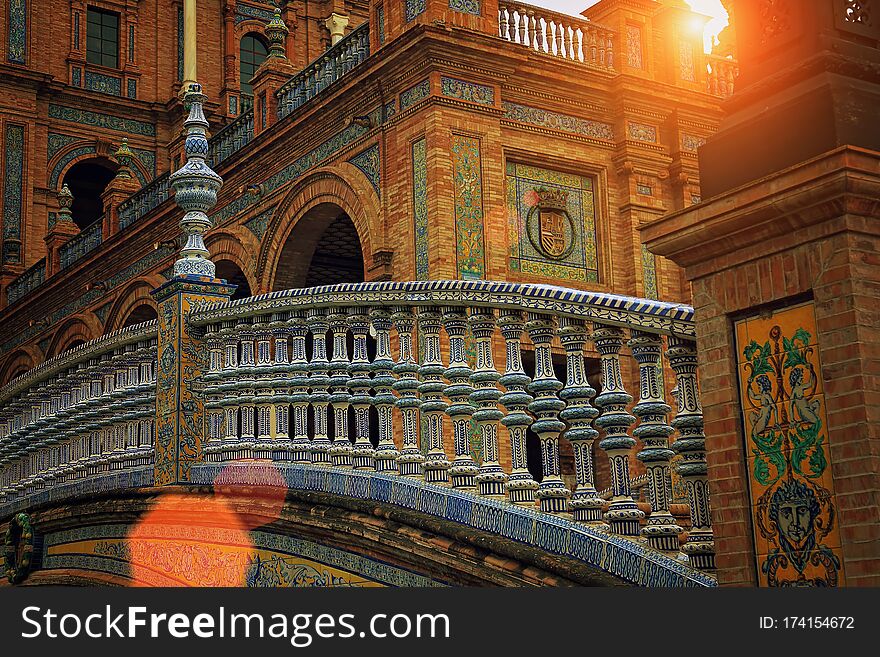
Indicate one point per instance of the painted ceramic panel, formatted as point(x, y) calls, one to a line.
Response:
point(175, 555)
point(797, 538)
point(13, 189)
point(467, 174)
point(561, 242)
point(420, 206)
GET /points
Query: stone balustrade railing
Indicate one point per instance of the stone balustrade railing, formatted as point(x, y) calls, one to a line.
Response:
point(722, 73)
point(76, 247)
point(280, 384)
point(84, 414)
point(559, 35)
point(231, 138)
point(30, 279)
point(325, 70)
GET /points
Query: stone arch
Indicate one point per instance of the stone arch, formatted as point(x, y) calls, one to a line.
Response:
point(136, 295)
point(316, 195)
point(229, 247)
point(77, 329)
point(18, 363)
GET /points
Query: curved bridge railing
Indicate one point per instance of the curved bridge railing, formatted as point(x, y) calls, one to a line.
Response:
point(85, 414)
point(422, 395)
point(285, 368)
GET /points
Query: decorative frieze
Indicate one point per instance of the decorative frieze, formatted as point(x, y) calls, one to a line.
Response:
point(414, 94)
point(464, 90)
point(556, 121)
point(101, 120)
point(370, 165)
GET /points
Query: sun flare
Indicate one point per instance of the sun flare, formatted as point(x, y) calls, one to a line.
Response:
point(719, 20)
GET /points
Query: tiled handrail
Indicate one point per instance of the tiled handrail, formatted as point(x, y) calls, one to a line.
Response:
point(559, 35)
point(80, 414)
point(27, 281)
point(231, 138)
point(325, 70)
point(263, 385)
point(77, 246)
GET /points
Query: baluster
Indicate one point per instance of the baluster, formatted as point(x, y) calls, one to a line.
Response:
point(411, 460)
point(135, 393)
point(570, 41)
point(491, 477)
point(552, 494)
point(340, 450)
point(534, 23)
point(116, 408)
point(103, 415)
point(430, 390)
point(558, 39)
point(523, 19)
point(281, 381)
point(691, 445)
point(579, 413)
point(301, 448)
point(544, 41)
point(319, 383)
point(579, 45)
point(264, 399)
point(226, 387)
point(520, 485)
point(502, 22)
point(660, 530)
point(460, 411)
point(213, 396)
point(147, 377)
point(246, 387)
point(360, 385)
point(385, 456)
point(623, 514)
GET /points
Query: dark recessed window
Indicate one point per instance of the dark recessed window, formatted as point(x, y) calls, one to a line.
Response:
point(253, 52)
point(102, 38)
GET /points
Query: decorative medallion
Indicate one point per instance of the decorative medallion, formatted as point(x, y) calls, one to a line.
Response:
point(548, 223)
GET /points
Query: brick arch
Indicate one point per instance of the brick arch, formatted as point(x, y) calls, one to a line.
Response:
point(83, 327)
point(134, 295)
point(315, 193)
point(226, 245)
point(81, 151)
point(18, 363)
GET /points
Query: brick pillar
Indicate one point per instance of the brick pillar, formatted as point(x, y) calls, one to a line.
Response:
point(180, 411)
point(782, 257)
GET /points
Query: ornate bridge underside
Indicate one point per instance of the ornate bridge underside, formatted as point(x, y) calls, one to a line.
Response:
point(266, 524)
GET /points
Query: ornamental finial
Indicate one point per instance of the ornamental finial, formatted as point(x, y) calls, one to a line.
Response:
point(195, 190)
point(65, 201)
point(277, 32)
point(125, 157)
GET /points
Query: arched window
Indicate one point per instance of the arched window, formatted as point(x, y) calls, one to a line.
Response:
point(87, 181)
point(252, 53)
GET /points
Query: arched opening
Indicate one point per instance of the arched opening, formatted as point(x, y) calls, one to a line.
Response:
point(232, 273)
point(87, 180)
point(323, 249)
point(73, 345)
point(142, 313)
point(252, 52)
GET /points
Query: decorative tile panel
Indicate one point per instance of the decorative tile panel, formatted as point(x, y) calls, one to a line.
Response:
point(67, 158)
point(644, 189)
point(148, 158)
point(794, 510)
point(641, 132)
point(412, 8)
point(467, 6)
point(105, 84)
point(687, 70)
point(380, 23)
point(100, 120)
point(420, 206)
point(13, 191)
point(247, 12)
point(132, 88)
point(57, 142)
point(76, 76)
point(131, 43)
point(414, 94)
point(180, 44)
point(649, 271)
point(370, 165)
point(634, 46)
point(464, 90)
point(258, 224)
point(556, 121)
point(16, 45)
point(556, 239)
point(467, 176)
point(691, 143)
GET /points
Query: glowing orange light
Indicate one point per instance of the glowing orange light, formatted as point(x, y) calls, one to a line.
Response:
point(718, 21)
